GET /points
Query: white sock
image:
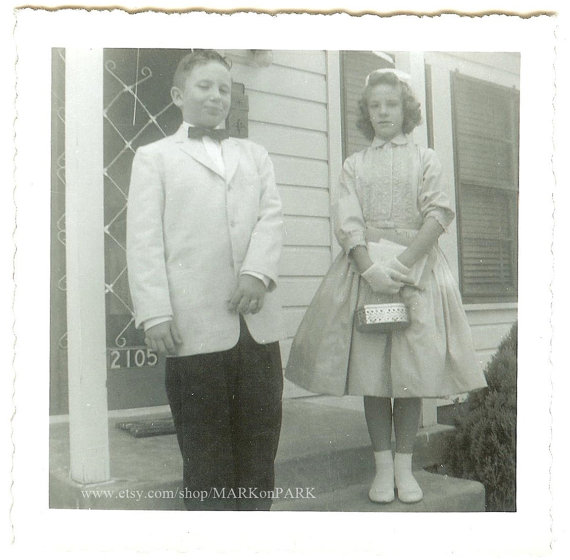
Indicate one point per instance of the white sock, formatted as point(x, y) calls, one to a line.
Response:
point(409, 490)
point(382, 489)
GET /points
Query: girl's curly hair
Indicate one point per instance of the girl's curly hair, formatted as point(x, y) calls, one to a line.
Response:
point(410, 105)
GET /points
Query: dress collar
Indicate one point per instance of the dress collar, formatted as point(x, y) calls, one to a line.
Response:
point(398, 140)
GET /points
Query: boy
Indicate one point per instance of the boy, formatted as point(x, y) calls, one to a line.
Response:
point(204, 234)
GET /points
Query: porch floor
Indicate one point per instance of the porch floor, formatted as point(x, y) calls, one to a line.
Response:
point(324, 447)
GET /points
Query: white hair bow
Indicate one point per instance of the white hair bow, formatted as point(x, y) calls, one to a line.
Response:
point(402, 76)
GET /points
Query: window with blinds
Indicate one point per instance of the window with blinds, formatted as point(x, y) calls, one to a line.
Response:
point(485, 124)
point(356, 65)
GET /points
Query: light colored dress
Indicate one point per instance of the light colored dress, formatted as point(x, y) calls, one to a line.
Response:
point(387, 191)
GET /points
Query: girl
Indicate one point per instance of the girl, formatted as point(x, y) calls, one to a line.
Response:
point(389, 191)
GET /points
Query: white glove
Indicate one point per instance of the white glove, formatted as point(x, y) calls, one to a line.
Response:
point(383, 279)
point(395, 264)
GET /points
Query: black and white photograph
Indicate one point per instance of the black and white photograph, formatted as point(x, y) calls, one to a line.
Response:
point(283, 277)
point(274, 255)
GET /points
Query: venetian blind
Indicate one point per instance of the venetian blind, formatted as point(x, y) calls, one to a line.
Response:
point(486, 138)
point(356, 65)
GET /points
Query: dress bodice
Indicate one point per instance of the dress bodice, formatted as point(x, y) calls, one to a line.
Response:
point(394, 184)
point(386, 183)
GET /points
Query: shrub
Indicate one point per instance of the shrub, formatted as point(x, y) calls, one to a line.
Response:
point(483, 446)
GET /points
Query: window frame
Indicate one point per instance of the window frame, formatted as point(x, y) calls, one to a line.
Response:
point(347, 148)
point(513, 97)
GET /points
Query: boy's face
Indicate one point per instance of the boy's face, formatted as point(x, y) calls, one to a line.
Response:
point(386, 110)
point(206, 97)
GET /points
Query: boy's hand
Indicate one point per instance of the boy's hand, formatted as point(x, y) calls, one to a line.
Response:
point(163, 338)
point(249, 295)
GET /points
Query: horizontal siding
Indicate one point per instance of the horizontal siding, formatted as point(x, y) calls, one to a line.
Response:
point(302, 201)
point(310, 61)
point(304, 261)
point(269, 108)
point(288, 116)
point(505, 61)
point(488, 328)
point(288, 141)
point(488, 337)
point(491, 316)
point(308, 232)
point(301, 172)
point(280, 80)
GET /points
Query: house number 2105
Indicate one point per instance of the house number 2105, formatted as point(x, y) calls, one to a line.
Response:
point(134, 357)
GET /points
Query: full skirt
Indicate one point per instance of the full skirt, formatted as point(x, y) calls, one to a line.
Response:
point(433, 357)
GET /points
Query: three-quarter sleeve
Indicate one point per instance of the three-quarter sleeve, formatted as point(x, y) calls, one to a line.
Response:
point(347, 212)
point(433, 201)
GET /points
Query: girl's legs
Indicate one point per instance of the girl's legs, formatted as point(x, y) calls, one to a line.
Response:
point(406, 417)
point(406, 424)
point(378, 412)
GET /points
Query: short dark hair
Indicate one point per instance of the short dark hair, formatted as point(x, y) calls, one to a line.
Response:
point(410, 105)
point(196, 58)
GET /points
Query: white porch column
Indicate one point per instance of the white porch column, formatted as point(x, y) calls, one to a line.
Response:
point(89, 440)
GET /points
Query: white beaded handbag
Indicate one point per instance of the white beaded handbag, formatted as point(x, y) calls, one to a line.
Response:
point(387, 313)
point(382, 317)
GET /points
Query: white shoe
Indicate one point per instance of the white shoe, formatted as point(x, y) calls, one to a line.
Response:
point(380, 494)
point(409, 490)
point(410, 494)
point(382, 489)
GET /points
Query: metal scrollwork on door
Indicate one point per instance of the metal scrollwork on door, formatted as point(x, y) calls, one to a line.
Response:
point(137, 110)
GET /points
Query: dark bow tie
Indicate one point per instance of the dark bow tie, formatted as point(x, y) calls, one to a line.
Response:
point(214, 133)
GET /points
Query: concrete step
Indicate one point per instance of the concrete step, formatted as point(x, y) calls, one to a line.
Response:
point(324, 446)
point(441, 494)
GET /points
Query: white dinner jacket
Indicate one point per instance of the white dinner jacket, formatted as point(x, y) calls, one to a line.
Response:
point(192, 230)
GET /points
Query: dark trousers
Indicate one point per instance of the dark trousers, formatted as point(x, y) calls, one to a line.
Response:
point(227, 413)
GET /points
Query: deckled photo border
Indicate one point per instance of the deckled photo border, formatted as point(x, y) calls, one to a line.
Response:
point(476, 535)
